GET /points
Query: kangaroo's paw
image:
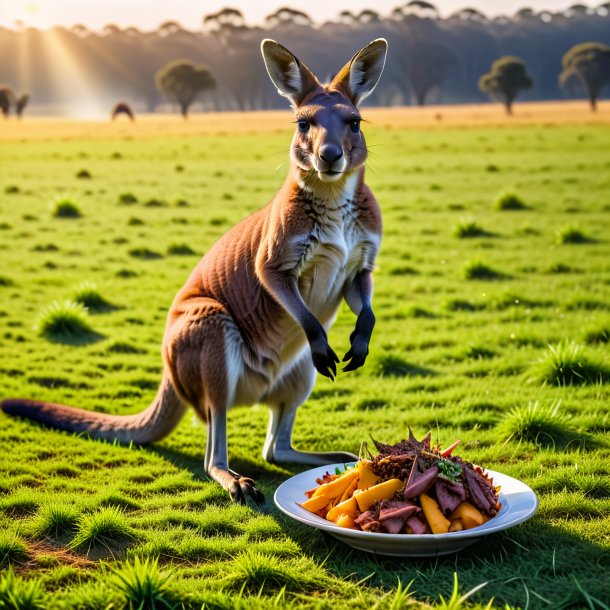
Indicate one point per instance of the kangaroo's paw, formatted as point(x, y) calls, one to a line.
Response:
point(241, 489)
point(312, 457)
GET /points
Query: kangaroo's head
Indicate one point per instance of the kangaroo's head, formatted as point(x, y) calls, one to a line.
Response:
point(328, 142)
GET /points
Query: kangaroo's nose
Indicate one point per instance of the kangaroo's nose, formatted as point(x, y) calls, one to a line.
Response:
point(329, 153)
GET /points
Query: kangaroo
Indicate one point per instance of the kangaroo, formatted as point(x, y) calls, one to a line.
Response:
point(250, 324)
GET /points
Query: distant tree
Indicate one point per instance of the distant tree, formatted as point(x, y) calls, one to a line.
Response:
point(419, 8)
point(589, 63)
point(20, 103)
point(122, 108)
point(182, 81)
point(428, 64)
point(7, 99)
point(288, 16)
point(226, 18)
point(167, 28)
point(507, 77)
point(470, 14)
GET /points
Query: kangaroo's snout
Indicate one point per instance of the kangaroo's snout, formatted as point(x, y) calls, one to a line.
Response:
point(330, 159)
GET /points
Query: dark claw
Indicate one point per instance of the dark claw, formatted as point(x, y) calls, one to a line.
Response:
point(244, 489)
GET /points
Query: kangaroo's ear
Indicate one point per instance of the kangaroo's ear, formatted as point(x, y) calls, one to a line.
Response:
point(293, 79)
point(360, 75)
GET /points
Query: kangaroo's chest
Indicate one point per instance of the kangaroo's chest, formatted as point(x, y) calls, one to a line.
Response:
point(336, 248)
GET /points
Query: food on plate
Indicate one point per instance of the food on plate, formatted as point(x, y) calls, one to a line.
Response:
point(407, 488)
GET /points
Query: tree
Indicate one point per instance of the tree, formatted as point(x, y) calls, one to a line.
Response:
point(122, 108)
point(428, 64)
point(20, 103)
point(182, 81)
point(7, 99)
point(506, 78)
point(589, 63)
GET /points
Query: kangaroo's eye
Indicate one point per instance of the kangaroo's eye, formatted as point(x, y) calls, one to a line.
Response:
point(354, 125)
point(303, 125)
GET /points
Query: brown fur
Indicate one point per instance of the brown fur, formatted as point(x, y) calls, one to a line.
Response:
point(269, 289)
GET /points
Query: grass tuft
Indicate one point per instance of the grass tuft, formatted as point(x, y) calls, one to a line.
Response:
point(478, 270)
point(145, 253)
point(87, 294)
point(389, 365)
point(253, 570)
point(65, 207)
point(509, 201)
point(180, 250)
point(55, 520)
point(143, 585)
point(469, 228)
point(127, 198)
point(566, 364)
point(66, 322)
point(598, 334)
point(106, 527)
point(11, 549)
point(537, 424)
point(571, 234)
point(83, 174)
point(19, 594)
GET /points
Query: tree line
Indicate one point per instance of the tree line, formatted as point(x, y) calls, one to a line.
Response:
point(432, 59)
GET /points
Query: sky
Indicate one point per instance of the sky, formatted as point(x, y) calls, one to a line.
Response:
point(148, 14)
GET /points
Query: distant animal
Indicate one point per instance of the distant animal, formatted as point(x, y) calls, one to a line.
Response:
point(250, 325)
point(122, 108)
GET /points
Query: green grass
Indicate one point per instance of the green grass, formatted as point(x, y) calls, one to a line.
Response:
point(65, 322)
point(571, 234)
point(65, 207)
point(466, 358)
point(469, 228)
point(107, 528)
point(19, 594)
point(509, 201)
point(567, 363)
point(88, 295)
point(480, 270)
point(143, 584)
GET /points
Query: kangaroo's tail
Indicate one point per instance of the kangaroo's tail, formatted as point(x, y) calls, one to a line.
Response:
point(152, 424)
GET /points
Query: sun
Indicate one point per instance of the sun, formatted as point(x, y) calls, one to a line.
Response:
point(31, 8)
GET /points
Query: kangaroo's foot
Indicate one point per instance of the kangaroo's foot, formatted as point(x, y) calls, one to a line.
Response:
point(312, 457)
point(241, 489)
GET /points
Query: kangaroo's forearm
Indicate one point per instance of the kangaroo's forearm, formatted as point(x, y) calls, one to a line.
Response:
point(359, 292)
point(283, 287)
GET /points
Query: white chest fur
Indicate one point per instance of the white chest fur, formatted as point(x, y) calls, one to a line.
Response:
point(337, 247)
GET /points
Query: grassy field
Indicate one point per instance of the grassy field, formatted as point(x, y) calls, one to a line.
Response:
point(493, 325)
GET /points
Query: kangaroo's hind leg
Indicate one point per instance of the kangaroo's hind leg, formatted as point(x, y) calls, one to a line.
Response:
point(284, 400)
point(201, 350)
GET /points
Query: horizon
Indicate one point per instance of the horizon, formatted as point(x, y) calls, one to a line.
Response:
point(189, 14)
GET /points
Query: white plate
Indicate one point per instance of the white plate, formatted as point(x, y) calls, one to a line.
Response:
point(519, 503)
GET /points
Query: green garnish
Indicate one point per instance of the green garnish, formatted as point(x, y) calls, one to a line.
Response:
point(449, 470)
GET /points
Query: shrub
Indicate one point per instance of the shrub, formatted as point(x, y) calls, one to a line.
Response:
point(509, 201)
point(478, 270)
point(571, 234)
point(566, 364)
point(64, 207)
point(143, 585)
point(84, 173)
point(65, 321)
point(105, 527)
point(19, 594)
point(469, 228)
point(536, 424)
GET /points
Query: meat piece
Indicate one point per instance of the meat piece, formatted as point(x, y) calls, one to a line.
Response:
point(392, 509)
point(371, 526)
point(422, 483)
point(366, 517)
point(393, 526)
point(481, 493)
point(416, 524)
point(447, 500)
